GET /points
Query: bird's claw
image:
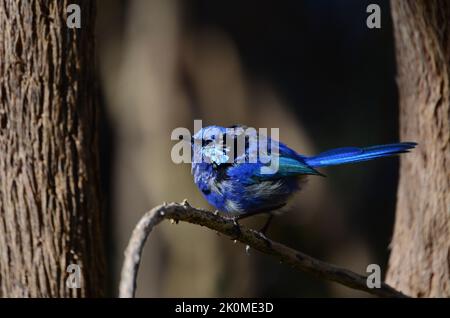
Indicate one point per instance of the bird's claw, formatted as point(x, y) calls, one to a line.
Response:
point(263, 237)
point(267, 241)
point(236, 229)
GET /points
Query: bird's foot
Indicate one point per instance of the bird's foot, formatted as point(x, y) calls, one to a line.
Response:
point(264, 229)
point(236, 229)
point(264, 238)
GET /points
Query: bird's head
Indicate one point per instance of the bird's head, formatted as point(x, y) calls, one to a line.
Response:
point(208, 145)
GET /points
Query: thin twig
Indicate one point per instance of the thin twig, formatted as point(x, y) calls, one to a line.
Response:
point(184, 212)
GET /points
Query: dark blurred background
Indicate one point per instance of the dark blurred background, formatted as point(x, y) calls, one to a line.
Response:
point(311, 68)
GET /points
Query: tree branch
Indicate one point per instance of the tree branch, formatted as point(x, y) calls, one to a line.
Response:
point(184, 212)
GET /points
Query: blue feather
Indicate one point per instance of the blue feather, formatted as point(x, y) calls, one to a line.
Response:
point(288, 167)
point(355, 154)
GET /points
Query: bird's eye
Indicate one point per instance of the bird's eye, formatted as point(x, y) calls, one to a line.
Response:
point(206, 142)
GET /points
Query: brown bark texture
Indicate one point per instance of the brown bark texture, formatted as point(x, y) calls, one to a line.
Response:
point(419, 264)
point(49, 188)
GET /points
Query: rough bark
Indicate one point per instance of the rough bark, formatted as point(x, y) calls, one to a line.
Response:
point(420, 258)
point(49, 206)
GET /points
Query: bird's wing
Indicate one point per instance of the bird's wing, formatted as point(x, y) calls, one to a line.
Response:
point(290, 163)
point(287, 167)
point(253, 172)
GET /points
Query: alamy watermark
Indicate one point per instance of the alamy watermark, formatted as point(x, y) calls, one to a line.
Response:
point(374, 279)
point(373, 21)
point(218, 146)
point(73, 16)
point(74, 278)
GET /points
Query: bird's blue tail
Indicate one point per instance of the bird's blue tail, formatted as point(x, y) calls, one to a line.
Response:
point(354, 154)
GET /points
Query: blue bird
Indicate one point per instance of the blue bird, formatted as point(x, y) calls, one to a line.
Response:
point(234, 184)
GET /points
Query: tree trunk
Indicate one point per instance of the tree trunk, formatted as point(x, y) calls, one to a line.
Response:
point(49, 189)
point(420, 258)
